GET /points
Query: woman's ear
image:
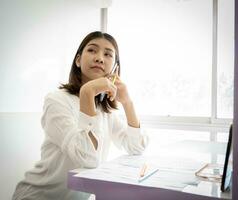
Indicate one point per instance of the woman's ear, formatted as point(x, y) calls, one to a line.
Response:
point(77, 60)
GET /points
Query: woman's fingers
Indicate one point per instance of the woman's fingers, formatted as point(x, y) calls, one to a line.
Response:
point(112, 92)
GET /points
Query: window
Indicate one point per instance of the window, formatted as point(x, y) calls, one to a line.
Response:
point(166, 55)
point(225, 58)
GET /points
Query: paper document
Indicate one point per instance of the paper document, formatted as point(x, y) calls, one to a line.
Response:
point(160, 173)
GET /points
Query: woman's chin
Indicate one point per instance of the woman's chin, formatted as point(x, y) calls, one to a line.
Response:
point(96, 76)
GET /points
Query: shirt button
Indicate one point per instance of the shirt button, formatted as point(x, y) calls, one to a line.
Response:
point(90, 124)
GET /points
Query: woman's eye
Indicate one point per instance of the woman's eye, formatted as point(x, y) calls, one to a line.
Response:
point(108, 54)
point(91, 50)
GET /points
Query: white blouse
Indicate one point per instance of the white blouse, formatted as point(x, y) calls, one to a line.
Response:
point(68, 146)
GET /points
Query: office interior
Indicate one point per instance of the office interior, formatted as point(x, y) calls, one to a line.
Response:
point(178, 59)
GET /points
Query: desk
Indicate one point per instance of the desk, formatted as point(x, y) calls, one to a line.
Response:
point(108, 188)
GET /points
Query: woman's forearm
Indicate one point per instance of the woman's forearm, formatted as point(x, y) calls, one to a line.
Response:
point(131, 116)
point(87, 102)
point(87, 106)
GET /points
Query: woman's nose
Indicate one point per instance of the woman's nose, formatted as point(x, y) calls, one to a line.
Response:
point(99, 59)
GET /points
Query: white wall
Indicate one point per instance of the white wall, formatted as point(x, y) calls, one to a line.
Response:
point(21, 138)
point(38, 42)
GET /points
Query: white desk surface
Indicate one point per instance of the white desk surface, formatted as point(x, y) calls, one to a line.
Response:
point(175, 173)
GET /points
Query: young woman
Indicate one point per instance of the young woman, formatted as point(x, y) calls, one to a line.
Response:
point(79, 122)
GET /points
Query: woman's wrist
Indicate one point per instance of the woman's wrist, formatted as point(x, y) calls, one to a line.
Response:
point(127, 103)
point(131, 116)
point(87, 103)
point(86, 90)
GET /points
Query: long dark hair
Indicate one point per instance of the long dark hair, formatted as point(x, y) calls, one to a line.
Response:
point(75, 82)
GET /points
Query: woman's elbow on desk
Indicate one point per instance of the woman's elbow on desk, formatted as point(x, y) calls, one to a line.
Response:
point(136, 149)
point(91, 165)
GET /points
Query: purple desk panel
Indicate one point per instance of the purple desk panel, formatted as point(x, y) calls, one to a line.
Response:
point(105, 190)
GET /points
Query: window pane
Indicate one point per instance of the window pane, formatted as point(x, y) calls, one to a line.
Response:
point(222, 137)
point(166, 54)
point(174, 143)
point(225, 58)
point(38, 43)
point(160, 139)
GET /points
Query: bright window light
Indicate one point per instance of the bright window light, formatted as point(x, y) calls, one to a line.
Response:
point(166, 52)
point(166, 55)
point(225, 58)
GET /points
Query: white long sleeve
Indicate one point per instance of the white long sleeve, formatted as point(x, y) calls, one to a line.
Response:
point(70, 132)
point(132, 139)
point(68, 146)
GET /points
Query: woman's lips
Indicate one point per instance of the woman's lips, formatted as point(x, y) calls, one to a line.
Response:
point(97, 67)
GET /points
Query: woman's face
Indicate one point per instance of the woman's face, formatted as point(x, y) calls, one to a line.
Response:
point(97, 59)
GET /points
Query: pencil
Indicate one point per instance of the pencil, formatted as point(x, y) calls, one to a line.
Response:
point(102, 95)
point(147, 175)
point(114, 79)
point(143, 169)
